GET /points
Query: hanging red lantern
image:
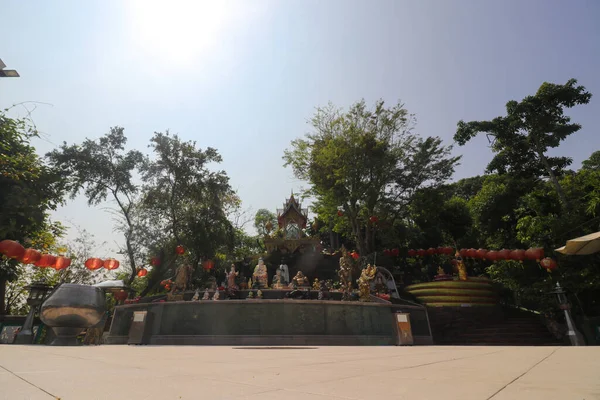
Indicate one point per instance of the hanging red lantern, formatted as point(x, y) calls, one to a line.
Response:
point(94, 263)
point(111, 264)
point(412, 253)
point(549, 264)
point(387, 252)
point(31, 256)
point(208, 265)
point(373, 219)
point(431, 251)
point(504, 254)
point(421, 253)
point(355, 255)
point(481, 253)
point(340, 213)
point(45, 261)
point(492, 255)
point(61, 263)
point(179, 250)
point(517, 255)
point(449, 251)
point(395, 252)
point(154, 261)
point(12, 249)
point(472, 253)
point(120, 295)
point(142, 272)
point(536, 253)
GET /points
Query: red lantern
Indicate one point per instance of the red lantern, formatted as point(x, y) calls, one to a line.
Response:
point(31, 256)
point(387, 252)
point(395, 252)
point(534, 253)
point(340, 213)
point(449, 251)
point(179, 250)
point(374, 219)
point(208, 265)
point(421, 253)
point(492, 255)
point(12, 249)
point(412, 253)
point(517, 255)
point(472, 253)
point(154, 261)
point(61, 263)
point(120, 295)
point(481, 253)
point(355, 255)
point(549, 264)
point(463, 252)
point(163, 282)
point(142, 272)
point(94, 263)
point(431, 251)
point(504, 254)
point(111, 264)
point(46, 260)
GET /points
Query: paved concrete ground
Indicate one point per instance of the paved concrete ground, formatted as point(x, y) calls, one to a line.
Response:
point(325, 373)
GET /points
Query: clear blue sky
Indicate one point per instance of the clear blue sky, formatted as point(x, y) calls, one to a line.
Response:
point(244, 76)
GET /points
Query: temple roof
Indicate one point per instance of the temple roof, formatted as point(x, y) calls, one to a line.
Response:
point(292, 208)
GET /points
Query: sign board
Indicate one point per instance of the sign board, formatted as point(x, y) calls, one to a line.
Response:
point(403, 329)
point(140, 328)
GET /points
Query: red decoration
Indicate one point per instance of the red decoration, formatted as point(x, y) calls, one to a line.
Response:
point(208, 265)
point(355, 255)
point(120, 295)
point(517, 255)
point(395, 252)
point(387, 252)
point(412, 253)
point(142, 272)
point(421, 253)
point(179, 250)
point(374, 219)
point(154, 261)
point(31, 256)
point(46, 260)
point(340, 213)
point(449, 251)
point(549, 264)
point(472, 253)
point(534, 254)
point(462, 253)
point(431, 251)
point(492, 255)
point(12, 249)
point(94, 263)
point(481, 253)
point(61, 263)
point(504, 254)
point(111, 264)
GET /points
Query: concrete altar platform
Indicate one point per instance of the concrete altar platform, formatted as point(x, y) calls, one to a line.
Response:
point(270, 322)
point(326, 373)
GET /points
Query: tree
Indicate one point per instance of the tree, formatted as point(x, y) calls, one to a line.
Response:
point(367, 163)
point(262, 218)
point(592, 163)
point(104, 169)
point(186, 201)
point(29, 190)
point(530, 127)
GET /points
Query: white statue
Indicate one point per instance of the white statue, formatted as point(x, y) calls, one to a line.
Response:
point(196, 295)
point(206, 295)
point(216, 296)
point(285, 273)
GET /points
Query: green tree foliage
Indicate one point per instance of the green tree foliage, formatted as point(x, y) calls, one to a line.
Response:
point(103, 169)
point(367, 163)
point(530, 127)
point(262, 218)
point(592, 163)
point(29, 190)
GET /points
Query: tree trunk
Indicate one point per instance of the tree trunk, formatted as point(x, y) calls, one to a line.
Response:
point(131, 258)
point(2, 296)
point(553, 178)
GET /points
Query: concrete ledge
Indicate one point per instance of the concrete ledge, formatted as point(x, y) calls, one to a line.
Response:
point(278, 340)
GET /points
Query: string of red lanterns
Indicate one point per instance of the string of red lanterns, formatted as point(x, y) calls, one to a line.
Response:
point(13, 249)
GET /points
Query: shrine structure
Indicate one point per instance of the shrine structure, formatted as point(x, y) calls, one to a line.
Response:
point(290, 236)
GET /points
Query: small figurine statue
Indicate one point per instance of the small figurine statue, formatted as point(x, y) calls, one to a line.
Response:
point(260, 275)
point(259, 294)
point(323, 292)
point(316, 284)
point(196, 296)
point(364, 282)
point(250, 295)
point(182, 278)
point(206, 295)
point(231, 276)
point(462, 269)
point(300, 280)
point(278, 281)
point(345, 274)
point(285, 274)
point(250, 283)
point(216, 295)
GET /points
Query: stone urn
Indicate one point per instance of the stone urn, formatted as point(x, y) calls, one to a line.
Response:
point(70, 308)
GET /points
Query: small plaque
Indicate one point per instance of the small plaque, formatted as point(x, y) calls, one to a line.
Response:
point(402, 317)
point(139, 316)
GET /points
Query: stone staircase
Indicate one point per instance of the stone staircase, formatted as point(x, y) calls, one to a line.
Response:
point(506, 327)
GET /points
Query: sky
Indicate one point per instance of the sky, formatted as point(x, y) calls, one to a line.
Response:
point(245, 76)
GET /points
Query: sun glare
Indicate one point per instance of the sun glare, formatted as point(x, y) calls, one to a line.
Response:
point(179, 32)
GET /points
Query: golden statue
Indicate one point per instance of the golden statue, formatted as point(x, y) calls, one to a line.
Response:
point(440, 271)
point(260, 275)
point(345, 274)
point(462, 269)
point(316, 284)
point(364, 282)
point(299, 280)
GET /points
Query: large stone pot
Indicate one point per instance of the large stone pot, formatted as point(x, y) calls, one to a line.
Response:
point(69, 309)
